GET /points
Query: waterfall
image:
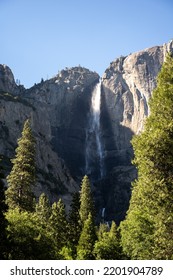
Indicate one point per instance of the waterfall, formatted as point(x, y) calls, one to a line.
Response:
point(93, 135)
point(103, 213)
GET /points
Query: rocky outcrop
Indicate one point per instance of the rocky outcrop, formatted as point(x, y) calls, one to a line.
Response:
point(7, 82)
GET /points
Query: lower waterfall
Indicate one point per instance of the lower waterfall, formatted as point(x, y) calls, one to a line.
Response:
point(94, 150)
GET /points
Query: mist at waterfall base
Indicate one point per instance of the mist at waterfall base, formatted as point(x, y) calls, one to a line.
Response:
point(94, 155)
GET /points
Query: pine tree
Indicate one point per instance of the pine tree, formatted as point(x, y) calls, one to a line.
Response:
point(86, 200)
point(43, 209)
point(103, 228)
point(108, 246)
point(87, 240)
point(58, 226)
point(22, 176)
point(74, 224)
point(148, 229)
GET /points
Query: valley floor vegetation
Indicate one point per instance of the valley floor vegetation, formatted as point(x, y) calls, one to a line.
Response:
point(37, 230)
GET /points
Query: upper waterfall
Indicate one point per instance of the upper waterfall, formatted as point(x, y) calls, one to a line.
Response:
point(93, 134)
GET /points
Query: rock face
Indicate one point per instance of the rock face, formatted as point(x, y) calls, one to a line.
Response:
point(59, 109)
point(65, 100)
point(129, 81)
point(7, 82)
point(126, 88)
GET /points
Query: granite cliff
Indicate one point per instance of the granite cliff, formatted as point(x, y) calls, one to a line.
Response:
point(60, 110)
point(127, 85)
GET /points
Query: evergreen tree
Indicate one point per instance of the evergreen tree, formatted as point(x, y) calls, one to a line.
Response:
point(58, 226)
point(108, 245)
point(3, 222)
point(86, 200)
point(87, 240)
point(148, 229)
point(103, 228)
point(22, 176)
point(43, 209)
point(74, 224)
point(28, 239)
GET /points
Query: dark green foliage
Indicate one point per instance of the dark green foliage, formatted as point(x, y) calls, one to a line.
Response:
point(86, 200)
point(74, 223)
point(58, 226)
point(3, 222)
point(108, 245)
point(148, 229)
point(87, 240)
point(28, 240)
point(22, 176)
point(86, 212)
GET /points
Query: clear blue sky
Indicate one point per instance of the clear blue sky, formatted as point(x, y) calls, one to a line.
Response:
point(41, 37)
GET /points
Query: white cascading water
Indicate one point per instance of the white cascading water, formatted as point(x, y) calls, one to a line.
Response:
point(103, 213)
point(93, 131)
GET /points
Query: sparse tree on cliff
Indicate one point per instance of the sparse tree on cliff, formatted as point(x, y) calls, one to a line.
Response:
point(22, 177)
point(148, 229)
